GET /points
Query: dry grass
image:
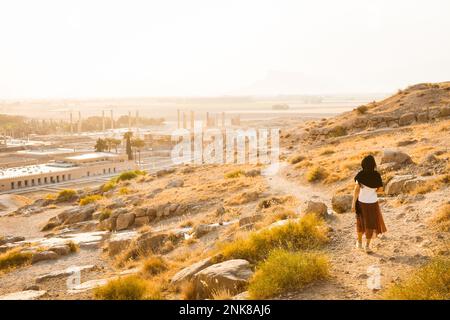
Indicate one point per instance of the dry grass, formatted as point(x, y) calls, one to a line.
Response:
point(108, 186)
point(243, 198)
point(66, 195)
point(442, 218)
point(284, 271)
point(431, 282)
point(234, 174)
point(296, 159)
point(90, 199)
point(154, 265)
point(105, 214)
point(188, 291)
point(431, 185)
point(14, 258)
point(307, 234)
point(124, 191)
point(315, 174)
point(73, 247)
point(125, 288)
point(222, 294)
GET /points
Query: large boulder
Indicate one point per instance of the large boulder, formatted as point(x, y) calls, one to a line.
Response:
point(187, 273)
point(407, 119)
point(231, 275)
point(403, 184)
point(151, 242)
point(395, 156)
point(71, 216)
point(316, 207)
point(120, 241)
point(342, 203)
point(124, 221)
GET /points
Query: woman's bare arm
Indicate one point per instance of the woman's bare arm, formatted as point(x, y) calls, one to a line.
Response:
point(355, 196)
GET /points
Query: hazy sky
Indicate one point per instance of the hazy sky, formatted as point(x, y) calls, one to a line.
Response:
point(103, 48)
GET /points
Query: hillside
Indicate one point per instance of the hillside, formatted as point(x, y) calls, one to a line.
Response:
point(233, 232)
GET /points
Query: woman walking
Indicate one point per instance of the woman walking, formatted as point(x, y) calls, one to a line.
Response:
point(369, 219)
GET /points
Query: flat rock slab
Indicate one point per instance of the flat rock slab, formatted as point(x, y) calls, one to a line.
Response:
point(64, 273)
point(89, 285)
point(24, 295)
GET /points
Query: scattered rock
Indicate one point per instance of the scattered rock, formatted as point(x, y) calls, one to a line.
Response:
point(177, 183)
point(407, 119)
point(24, 295)
point(406, 142)
point(250, 219)
point(253, 173)
point(202, 229)
point(10, 239)
point(124, 221)
point(43, 256)
point(396, 157)
point(188, 272)
point(120, 241)
point(231, 275)
point(403, 184)
point(61, 250)
point(319, 208)
point(341, 203)
point(64, 273)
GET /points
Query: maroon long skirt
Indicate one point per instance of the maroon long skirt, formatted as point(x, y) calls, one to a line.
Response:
point(370, 218)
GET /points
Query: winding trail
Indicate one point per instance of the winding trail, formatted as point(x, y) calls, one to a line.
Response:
point(408, 243)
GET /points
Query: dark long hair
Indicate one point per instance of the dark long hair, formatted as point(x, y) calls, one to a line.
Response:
point(368, 164)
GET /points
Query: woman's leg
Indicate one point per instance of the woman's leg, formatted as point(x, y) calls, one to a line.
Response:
point(369, 234)
point(359, 241)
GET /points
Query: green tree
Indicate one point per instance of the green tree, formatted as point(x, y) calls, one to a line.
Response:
point(101, 145)
point(127, 136)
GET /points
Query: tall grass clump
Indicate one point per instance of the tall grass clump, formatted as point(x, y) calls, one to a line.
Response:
point(284, 271)
point(109, 186)
point(315, 174)
point(296, 159)
point(442, 218)
point(89, 199)
point(430, 282)
point(14, 258)
point(234, 174)
point(66, 195)
point(125, 288)
point(306, 234)
point(130, 175)
point(154, 265)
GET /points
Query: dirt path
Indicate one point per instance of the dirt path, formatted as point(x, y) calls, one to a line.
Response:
point(408, 243)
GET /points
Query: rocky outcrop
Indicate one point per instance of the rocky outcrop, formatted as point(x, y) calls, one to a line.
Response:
point(404, 184)
point(187, 273)
point(10, 239)
point(71, 216)
point(250, 220)
point(201, 230)
point(231, 275)
point(120, 241)
point(43, 256)
point(395, 156)
point(407, 119)
point(341, 203)
point(316, 207)
point(124, 221)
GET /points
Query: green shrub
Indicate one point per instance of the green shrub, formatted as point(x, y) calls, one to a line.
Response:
point(430, 282)
point(284, 271)
point(89, 199)
point(130, 175)
point(306, 234)
point(66, 195)
point(14, 258)
point(126, 288)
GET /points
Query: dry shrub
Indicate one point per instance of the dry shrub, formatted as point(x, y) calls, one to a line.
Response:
point(430, 282)
point(306, 234)
point(124, 288)
point(154, 265)
point(14, 258)
point(442, 218)
point(315, 173)
point(284, 271)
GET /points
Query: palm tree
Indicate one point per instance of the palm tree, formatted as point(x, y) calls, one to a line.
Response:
point(127, 136)
point(138, 144)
